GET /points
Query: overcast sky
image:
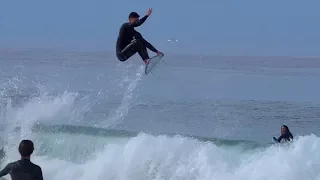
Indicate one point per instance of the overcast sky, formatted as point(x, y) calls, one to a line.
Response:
point(221, 27)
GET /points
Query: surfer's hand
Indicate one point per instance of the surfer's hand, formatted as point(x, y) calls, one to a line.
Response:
point(149, 11)
point(160, 53)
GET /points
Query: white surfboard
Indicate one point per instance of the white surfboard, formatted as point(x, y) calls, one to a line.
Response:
point(152, 63)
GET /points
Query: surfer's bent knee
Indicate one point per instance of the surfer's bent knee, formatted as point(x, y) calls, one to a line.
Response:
point(121, 57)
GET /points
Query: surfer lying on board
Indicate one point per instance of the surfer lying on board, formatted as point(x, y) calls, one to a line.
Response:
point(130, 41)
point(285, 134)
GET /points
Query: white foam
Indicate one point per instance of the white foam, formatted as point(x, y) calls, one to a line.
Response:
point(147, 157)
point(39, 109)
point(163, 158)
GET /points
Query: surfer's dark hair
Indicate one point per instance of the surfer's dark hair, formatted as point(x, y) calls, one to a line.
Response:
point(133, 15)
point(286, 127)
point(26, 148)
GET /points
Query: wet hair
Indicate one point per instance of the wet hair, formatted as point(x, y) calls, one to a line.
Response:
point(26, 148)
point(133, 15)
point(286, 127)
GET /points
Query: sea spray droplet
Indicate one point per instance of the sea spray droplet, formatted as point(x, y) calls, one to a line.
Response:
point(172, 40)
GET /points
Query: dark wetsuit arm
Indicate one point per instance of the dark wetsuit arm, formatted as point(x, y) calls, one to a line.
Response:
point(39, 174)
point(5, 170)
point(140, 22)
point(280, 138)
point(145, 42)
point(149, 46)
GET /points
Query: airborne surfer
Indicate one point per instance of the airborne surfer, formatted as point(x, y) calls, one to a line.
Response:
point(130, 41)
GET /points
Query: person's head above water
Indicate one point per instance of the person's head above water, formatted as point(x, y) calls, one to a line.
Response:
point(284, 129)
point(133, 17)
point(26, 148)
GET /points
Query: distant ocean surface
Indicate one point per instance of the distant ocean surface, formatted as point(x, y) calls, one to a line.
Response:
point(197, 118)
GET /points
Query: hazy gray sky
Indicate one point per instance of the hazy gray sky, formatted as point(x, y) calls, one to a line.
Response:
point(238, 27)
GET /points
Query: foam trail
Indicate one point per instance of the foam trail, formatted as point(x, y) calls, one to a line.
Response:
point(116, 116)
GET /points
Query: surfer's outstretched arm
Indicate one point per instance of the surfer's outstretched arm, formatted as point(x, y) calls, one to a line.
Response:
point(149, 46)
point(5, 170)
point(145, 42)
point(139, 22)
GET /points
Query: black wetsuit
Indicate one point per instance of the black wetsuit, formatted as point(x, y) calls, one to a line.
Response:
point(23, 169)
point(130, 42)
point(287, 137)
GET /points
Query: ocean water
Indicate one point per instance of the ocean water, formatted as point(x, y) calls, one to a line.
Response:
point(197, 118)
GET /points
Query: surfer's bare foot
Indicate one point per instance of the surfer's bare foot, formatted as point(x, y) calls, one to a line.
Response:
point(146, 61)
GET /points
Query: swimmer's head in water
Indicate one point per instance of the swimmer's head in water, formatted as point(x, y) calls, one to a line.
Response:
point(133, 17)
point(26, 148)
point(284, 129)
